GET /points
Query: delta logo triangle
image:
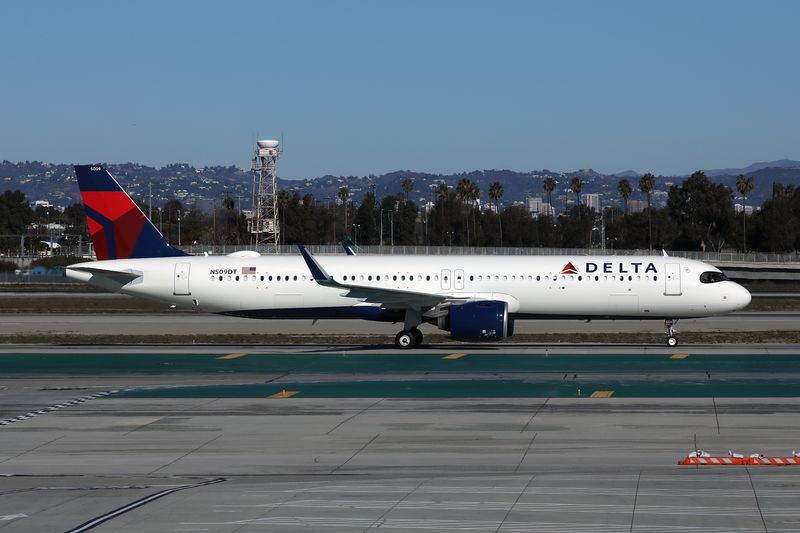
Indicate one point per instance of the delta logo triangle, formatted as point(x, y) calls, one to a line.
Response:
point(569, 269)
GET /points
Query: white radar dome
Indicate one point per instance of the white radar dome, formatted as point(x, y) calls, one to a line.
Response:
point(268, 143)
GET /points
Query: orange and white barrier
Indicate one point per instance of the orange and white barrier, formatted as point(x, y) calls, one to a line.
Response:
point(730, 460)
point(713, 461)
point(774, 461)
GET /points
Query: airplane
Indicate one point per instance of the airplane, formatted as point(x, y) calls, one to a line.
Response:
point(475, 298)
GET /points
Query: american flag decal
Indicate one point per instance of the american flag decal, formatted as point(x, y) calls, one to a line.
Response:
point(248, 270)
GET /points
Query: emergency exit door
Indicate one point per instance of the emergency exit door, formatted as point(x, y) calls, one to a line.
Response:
point(672, 279)
point(182, 279)
point(446, 279)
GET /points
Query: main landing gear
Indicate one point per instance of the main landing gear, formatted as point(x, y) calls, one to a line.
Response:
point(407, 339)
point(411, 336)
point(669, 330)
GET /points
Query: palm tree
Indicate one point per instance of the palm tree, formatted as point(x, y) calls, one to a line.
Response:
point(408, 186)
point(495, 193)
point(441, 191)
point(646, 184)
point(467, 193)
point(550, 185)
point(344, 196)
point(744, 184)
point(474, 196)
point(577, 186)
point(625, 189)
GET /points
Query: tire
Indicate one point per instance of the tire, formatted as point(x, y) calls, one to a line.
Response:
point(672, 341)
point(417, 336)
point(404, 340)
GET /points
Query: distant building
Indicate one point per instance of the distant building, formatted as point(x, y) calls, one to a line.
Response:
point(738, 208)
point(537, 207)
point(637, 206)
point(659, 199)
point(591, 200)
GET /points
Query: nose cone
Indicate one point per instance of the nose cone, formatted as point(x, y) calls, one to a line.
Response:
point(741, 297)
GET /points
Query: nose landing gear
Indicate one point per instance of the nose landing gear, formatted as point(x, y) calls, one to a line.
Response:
point(669, 330)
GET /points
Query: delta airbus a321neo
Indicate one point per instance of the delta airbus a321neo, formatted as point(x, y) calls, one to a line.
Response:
point(475, 298)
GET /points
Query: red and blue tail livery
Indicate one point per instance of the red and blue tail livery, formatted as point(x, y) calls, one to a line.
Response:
point(118, 227)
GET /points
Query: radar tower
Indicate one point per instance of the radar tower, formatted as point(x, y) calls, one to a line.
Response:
point(263, 224)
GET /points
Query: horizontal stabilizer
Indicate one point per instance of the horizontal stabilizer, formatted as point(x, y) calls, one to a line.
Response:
point(116, 275)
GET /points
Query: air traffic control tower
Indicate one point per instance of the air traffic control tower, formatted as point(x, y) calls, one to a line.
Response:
point(264, 222)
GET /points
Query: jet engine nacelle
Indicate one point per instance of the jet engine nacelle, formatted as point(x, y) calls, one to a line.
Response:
point(484, 320)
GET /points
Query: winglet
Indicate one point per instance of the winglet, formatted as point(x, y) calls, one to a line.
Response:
point(348, 247)
point(317, 272)
point(663, 251)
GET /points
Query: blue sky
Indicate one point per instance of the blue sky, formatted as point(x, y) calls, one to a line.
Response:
point(359, 87)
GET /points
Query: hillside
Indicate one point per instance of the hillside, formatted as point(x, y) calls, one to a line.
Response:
point(56, 182)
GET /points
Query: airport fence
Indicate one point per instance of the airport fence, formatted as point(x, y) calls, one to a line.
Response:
point(710, 257)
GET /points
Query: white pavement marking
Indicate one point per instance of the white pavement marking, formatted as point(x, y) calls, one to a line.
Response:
point(7, 517)
point(51, 408)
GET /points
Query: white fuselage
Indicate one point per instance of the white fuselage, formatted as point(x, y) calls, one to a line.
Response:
point(533, 286)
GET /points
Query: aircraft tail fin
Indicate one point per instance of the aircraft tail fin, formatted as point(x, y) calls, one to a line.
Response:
point(118, 227)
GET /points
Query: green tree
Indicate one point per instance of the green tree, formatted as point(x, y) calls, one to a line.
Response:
point(625, 190)
point(15, 215)
point(172, 213)
point(344, 197)
point(496, 193)
point(646, 184)
point(195, 224)
point(576, 185)
point(366, 221)
point(549, 185)
point(468, 193)
point(408, 186)
point(744, 184)
point(703, 211)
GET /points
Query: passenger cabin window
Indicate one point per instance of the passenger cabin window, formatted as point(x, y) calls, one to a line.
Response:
point(712, 277)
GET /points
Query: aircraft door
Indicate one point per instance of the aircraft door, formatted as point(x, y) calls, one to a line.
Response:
point(182, 279)
point(445, 279)
point(458, 282)
point(672, 279)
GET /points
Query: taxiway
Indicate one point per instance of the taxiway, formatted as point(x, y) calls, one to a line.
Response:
point(210, 439)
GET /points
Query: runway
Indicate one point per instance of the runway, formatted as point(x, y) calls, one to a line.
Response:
point(205, 324)
point(144, 439)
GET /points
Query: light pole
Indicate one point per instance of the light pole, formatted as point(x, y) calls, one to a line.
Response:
point(355, 231)
point(391, 226)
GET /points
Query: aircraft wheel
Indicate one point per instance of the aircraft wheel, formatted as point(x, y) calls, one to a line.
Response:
point(417, 336)
point(672, 341)
point(404, 340)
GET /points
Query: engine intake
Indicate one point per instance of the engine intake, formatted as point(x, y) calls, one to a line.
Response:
point(484, 320)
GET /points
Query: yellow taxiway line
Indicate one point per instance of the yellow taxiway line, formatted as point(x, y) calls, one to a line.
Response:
point(284, 394)
point(232, 356)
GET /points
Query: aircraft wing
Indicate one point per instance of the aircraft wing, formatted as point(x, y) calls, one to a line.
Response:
point(389, 298)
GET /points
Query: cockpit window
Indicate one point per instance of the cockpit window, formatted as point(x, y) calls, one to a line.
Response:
point(712, 277)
